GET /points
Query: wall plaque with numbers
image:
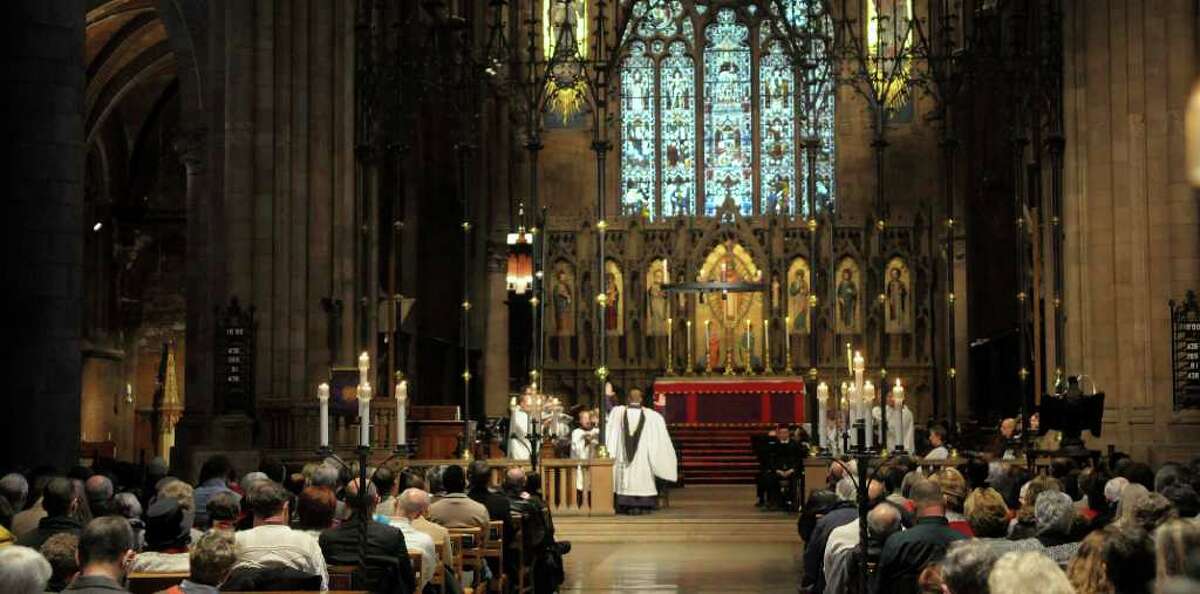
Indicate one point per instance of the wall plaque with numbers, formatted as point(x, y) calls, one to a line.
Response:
point(1185, 352)
point(235, 359)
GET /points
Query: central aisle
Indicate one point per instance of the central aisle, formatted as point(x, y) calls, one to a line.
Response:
point(710, 539)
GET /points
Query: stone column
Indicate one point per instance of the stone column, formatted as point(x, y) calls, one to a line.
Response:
point(41, 71)
point(495, 353)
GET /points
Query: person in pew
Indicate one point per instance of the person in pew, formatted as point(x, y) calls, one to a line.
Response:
point(496, 504)
point(105, 550)
point(211, 560)
point(412, 504)
point(785, 458)
point(271, 542)
point(62, 551)
point(761, 444)
point(642, 451)
point(937, 443)
point(22, 570)
point(224, 508)
point(842, 553)
point(315, 510)
point(840, 514)
point(907, 553)
point(388, 566)
point(167, 540)
point(59, 501)
point(456, 509)
point(542, 552)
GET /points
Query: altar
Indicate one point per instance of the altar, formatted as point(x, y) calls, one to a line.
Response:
point(730, 399)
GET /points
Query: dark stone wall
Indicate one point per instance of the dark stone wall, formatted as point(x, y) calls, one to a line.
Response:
point(42, 77)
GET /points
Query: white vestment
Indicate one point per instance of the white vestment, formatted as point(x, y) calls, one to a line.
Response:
point(653, 457)
point(518, 435)
point(896, 423)
point(583, 448)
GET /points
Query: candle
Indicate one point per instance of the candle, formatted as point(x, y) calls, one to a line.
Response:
point(849, 359)
point(670, 361)
point(689, 346)
point(787, 340)
point(364, 368)
point(323, 398)
point(766, 346)
point(898, 393)
point(748, 343)
point(868, 396)
point(364, 414)
point(707, 339)
point(401, 412)
point(822, 398)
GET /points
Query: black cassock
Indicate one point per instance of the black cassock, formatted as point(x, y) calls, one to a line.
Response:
point(781, 491)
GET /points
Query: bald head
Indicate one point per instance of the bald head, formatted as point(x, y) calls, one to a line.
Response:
point(883, 520)
point(927, 496)
point(514, 478)
point(414, 503)
point(99, 489)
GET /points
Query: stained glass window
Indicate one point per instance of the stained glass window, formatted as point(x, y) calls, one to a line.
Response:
point(728, 149)
point(638, 121)
point(678, 132)
point(777, 173)
point(660, 107)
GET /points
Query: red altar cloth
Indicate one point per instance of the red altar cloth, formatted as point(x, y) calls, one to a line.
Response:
point(730, 399)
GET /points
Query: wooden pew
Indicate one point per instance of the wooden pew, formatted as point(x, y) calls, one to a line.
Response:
point(471, 553)
point(149, 583)
point(494, 549)
point(524, 565)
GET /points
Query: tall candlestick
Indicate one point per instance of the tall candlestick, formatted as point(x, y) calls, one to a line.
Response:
point(323, 398)
point(364, 414)
point(401, 412)
point(822, 399)
point(670, 353)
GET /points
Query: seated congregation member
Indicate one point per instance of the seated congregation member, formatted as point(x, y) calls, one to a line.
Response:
point(99, 490)
point(167, 540)
point(1086, 570)
point(1176, 543)
point(1055, 514)
point(23, 571)
point(388, 566)
point(1002, 444)
point(385, 483)
point(211, 560)
point(271, 543)
point(26, 519)
point(223, 509)
point(1024, 525)
point(214, 478)
point(315, 509)
point(14, 489)
point(60, 503)
point(185, 495)
point(1132, 497)
point(412, 504)
point(1129, 560)
point(62, 551)
point(127, 506)
point(842, 554)
point(1153, 511)
point(818, 504)
point(494, 502)
point(954, 487)
point(906, 554)
point(105, 550)
point(937, 444)
point(840, 514)
point(542, 553)
point(966, 567)
point(455, 509)
point(1184, 498)
point(1022, 572)
point(986, 513)
point(785, 458)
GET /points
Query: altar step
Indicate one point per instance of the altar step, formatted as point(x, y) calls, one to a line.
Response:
point(713, 455)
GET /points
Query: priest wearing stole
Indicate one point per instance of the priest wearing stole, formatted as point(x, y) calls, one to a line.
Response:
point(519, 447)
point(641, 450)
point(899, 425)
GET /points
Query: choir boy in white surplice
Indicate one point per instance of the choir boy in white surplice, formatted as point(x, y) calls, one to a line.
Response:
point(900, 425)
point(583, 442)
point(641, 450)
point(519, 447)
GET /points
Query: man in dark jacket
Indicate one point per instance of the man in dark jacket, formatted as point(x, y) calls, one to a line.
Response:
point(389, 569)
point(59, 501)
point(841, 513)
point(906, 553)
point(105, 550)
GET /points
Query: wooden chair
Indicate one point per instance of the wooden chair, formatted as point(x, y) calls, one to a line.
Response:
point(341, 577)
point(414, 559)
point(471, 553)
point(524, 565)
point(494, 549)
point(149, 583)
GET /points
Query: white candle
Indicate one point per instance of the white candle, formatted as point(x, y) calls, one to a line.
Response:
point(822, 399)
point(401, 412)
point(323, 398)
point(364, 368)
point(868, 396)
point(364, 414)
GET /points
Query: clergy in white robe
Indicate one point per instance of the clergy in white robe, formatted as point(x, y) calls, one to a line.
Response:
point(519, 447)
point(900, 426)
point(937, 443)
point(584, 439)
point(641, 450)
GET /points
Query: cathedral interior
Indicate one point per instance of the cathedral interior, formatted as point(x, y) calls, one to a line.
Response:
point(215, 206)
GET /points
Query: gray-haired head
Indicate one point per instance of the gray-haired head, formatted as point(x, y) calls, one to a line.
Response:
point(127, 505)
point(1054, 513)
point(15, 489)
point(23, 570)
point(325, 476)
point(845, 489)
point(250, 479)
point(1113, 488)
point(883, 520)
point(433, 478)
point(157, 467)
point(1028, 571)
point(99, 489)
point(414, 502)
point(966, 566)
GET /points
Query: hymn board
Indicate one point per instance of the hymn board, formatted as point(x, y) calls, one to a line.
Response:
point(235, 359)
point(1185, 352)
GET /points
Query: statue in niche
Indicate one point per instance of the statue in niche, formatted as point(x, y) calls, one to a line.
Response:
point(848, 318)
point(775, 293)
point(612, 290)
point(657, 304)
point(564, 299)
point(799, 287)
point(898, 296)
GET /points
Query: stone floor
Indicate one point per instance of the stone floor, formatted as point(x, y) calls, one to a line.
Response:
point(710, 539)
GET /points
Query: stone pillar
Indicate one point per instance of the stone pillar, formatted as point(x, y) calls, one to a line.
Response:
point(42, 74)
point(495, 353)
